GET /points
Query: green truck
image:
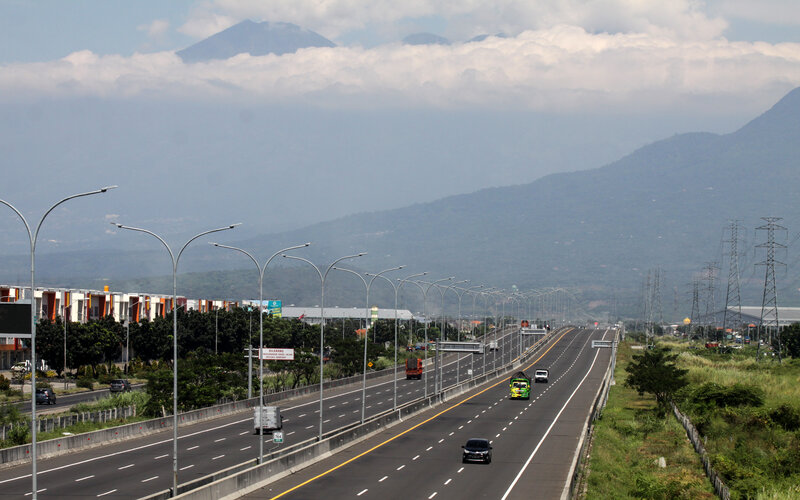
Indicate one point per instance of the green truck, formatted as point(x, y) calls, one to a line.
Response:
point(520, 386)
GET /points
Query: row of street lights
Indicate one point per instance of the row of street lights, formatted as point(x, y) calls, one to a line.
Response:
point(175, 259)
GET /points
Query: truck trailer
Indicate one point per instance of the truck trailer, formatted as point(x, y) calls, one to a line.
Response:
point(268, 419)
point(413, 368)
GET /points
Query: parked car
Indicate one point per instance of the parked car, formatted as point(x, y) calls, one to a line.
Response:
point(45, 395)
point(477, 450)
point(120, 385)
point(21, 367)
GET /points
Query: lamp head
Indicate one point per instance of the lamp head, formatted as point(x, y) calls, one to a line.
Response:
point(234, 225)
point(104, 189)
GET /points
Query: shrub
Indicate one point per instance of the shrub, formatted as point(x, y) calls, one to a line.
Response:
point(85, 383)
point(5, 384)
point(18, 435)
point(786, 416)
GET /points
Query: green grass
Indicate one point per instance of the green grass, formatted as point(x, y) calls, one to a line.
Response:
point(756, 452)
point(628, 442)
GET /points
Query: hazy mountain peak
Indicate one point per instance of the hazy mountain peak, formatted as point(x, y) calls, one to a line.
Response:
point(256, 39)
point(484, 36)
point(425, 39)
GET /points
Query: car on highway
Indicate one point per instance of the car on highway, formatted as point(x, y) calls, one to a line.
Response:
point(120, 385)
point(45, 395)
point(541, 376)
point(477, 450)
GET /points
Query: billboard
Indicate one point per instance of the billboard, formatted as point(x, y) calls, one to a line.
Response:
point(274, 308)
point(15, 320)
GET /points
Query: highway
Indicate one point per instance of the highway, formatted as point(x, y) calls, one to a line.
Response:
point(533, 441)
point(142, 466)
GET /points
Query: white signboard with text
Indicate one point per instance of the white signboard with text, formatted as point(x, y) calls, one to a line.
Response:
point(275, 354)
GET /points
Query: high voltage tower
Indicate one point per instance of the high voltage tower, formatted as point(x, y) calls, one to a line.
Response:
point(733, 297)
point(709, 275)
point(695, 304)
point(769, 302)
point(657, 296)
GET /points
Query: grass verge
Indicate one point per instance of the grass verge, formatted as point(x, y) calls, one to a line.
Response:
point(627, 444)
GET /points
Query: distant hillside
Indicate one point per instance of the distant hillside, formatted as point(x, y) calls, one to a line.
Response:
point(256, 39)
point(597, 232)
point(664, 206)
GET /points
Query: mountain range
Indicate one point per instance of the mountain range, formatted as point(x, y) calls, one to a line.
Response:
point(597, 232)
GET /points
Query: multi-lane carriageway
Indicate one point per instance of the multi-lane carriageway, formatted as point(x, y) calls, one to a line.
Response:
point(534, 441)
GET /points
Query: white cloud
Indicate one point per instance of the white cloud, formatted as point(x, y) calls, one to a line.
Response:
point(466, 18)
point(157, 29)
point(561, 68)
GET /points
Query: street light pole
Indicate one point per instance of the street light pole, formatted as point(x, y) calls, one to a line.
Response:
point(261, 270)
point(443, 333)
point(436, 358)
point(32, 238)
point(396, 290)
point(463, 291)
point(411, 334)
point(367, 286)
point(175, 261)
point(322, 278)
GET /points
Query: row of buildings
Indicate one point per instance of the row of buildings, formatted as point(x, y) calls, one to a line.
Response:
point(82, 306)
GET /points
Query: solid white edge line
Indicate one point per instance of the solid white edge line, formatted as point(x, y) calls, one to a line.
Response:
point(527, 462)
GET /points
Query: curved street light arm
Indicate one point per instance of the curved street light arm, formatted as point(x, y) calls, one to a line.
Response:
point(32, 237)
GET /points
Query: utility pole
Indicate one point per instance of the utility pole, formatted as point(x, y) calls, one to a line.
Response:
point(733, 296)
point(769, 302)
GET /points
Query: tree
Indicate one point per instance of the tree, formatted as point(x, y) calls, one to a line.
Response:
point(654, 372)
point(790, 336)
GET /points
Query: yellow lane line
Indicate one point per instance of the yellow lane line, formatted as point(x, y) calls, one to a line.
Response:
point(412, 428)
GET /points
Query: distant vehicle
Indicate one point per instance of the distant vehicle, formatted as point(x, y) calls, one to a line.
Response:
point(712, 345)
point(119, 385)
point(419, 346)
point(21, 367)
point(413, 368)
point(520, 386)
point(492, 345)
point(541, 376)
point(477, 450)
point(268, 419)
point(45, 395)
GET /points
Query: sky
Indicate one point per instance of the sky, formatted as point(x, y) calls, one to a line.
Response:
point(91, 92)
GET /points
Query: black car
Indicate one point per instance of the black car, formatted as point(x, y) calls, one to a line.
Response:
point(477, 450)
point(45, 395)
point(120, 385)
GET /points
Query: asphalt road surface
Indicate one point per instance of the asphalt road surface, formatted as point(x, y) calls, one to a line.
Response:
point(533, 441)
point(141, 466)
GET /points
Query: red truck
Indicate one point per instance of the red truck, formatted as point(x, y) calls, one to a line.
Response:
point(413, 368)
